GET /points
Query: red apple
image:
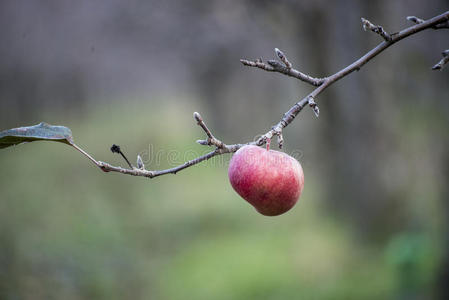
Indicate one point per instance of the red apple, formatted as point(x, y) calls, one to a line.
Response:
point(269, 180)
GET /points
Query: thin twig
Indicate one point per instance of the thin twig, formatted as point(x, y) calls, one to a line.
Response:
point(289, 116)
point(417, 20)
point(443, 61)
point(116, 149)
point(376, 29)
point(285, 68)
point(221, 148)
point(211, 140)
point(84, 153)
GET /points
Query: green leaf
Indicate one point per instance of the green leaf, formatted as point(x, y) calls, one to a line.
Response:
point(40, 132)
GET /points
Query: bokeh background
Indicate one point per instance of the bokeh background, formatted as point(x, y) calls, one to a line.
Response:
point(372, 222)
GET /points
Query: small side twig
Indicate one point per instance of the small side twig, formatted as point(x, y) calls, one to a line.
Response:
point(211, 140)
point(221, 148)
point(443, 61)
point(290, 115)
point(376, 29)
point(116, 149)
point(284, 68)
point(257, 63)
point(417, 20)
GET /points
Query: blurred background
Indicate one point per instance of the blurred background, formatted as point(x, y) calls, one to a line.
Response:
point(372, 222)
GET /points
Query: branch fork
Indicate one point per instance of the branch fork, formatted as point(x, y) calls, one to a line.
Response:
point(211, 140)
point(285, 67)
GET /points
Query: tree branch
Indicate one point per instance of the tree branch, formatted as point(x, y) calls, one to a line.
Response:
point(285, 67)
point(295, 109)
point(211, 140)
point(221, 148)
point(443, 61)
point(417, 20)
point(376, 29)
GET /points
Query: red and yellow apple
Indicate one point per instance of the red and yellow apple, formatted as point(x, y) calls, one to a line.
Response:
point(269, 180)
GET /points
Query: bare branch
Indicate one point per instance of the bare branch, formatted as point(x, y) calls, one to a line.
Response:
point(151, 174)
point(417, 20)
point(116, 149)
point(211, 140)
point(257, 64)
point(147, 173)
point(274, 66)
point(285, 68)
point(290, 115)
point(376, 29)
point(443, 61)
point(221, 148)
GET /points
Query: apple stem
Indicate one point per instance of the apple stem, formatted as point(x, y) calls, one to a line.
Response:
point(268, 144)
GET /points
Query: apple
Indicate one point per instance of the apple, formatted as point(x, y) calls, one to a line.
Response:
point(269, 180)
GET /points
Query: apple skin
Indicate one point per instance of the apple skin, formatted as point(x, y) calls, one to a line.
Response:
point(269, 180)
